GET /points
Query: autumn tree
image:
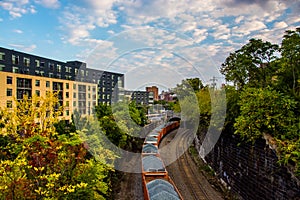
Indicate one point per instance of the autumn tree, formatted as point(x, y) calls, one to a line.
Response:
point(38, 163)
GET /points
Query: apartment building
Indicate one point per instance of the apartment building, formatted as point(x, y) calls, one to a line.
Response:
point(78, 87)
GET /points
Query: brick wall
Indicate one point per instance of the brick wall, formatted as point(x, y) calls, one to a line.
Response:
point(251, 171)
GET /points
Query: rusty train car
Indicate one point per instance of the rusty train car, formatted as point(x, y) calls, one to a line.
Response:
point(155, 179)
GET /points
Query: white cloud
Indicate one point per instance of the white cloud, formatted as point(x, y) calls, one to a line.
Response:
point(111, 32)
point(17, 8)
point(249, 27)
point(280, 25)
point(293, 20)
point(207, 22)
point(199, 35)
point(239, 19)
point(222, 32)
point(48, 3)
point(17, 31)
point(25, 48)
point(78, 21)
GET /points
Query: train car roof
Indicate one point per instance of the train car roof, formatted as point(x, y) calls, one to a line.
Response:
point(153, 134)
point(161, 189)
point(149, 148)
point(150, 139)
point(152, 163)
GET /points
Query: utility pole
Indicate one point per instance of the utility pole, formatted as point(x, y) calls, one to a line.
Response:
point(214, 81)
point(214, 84)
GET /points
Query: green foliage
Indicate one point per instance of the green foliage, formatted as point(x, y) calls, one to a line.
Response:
point(195, 83)
point(38, 163)
point(266, 102)
point(266, 111)
point(250, 64)
point(121, 123)
point(204, 100)
point(290, 62)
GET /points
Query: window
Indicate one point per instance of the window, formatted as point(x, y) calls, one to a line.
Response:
point(67, 103)
point(37, 63)
point(89, 88)
point(76, 71)
point(74, 86)
point(9, 80)
point(51, 66)
point(82, 72)
point(68, 69)
point(2, 67)
point(38, 93)
point(42, 64)
point(67, 94)
point(15, 69)
point(58, 68)
point(47, 83)
point(74, 95)
point(37, 83)
point(67, 85)
point(9, 104)
point(2, 56)
point(9, 92)
point(15, 59)
point(51, 75)
point(67, 112)
point(26, 61)
point(74, 103)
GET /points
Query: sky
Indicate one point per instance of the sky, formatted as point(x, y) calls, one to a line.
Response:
point(153, 42)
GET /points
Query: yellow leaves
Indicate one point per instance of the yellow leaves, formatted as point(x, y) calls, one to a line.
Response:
point(82, 185)
point(39, 169)
point(72, 188)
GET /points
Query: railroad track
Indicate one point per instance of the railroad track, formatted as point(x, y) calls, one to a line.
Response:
point(184, 163)
point(189, 180)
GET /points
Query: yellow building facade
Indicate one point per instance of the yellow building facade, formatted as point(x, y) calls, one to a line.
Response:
point(73, 95)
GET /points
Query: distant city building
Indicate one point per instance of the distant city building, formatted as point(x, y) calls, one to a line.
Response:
point(79, 88)
point(140, 97)
point(166, 96)
point(154, 90)
point(151, 98)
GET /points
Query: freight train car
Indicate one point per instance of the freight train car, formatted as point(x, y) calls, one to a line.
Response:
point(156, 182)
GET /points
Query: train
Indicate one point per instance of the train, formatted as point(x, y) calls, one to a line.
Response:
point(156, 182)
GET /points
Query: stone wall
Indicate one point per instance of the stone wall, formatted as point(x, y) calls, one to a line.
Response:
point(251, 171)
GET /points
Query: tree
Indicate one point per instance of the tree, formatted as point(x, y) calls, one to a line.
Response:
point(290, 62)
point(266, 113)
point(250, 64)
point(38, 163)
point(121, 123)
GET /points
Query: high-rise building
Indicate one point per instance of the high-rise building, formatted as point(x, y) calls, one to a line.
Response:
point(78, 87)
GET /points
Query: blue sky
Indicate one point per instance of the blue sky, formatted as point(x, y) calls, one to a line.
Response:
point(156, 42)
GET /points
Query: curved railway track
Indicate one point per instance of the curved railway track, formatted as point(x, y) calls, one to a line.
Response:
point(191, 183)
